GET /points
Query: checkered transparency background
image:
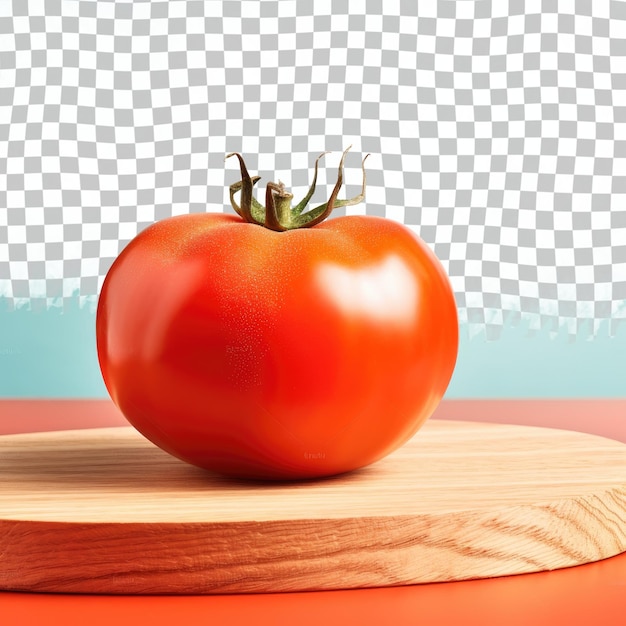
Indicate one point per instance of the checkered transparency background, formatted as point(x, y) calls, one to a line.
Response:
point(497, 132)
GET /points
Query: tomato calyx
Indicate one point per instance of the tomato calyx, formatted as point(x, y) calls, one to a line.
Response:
point(278, 214)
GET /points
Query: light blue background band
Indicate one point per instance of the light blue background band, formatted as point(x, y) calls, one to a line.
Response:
point(51, 354)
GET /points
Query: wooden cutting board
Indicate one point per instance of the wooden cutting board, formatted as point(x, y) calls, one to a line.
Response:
point(104, 511)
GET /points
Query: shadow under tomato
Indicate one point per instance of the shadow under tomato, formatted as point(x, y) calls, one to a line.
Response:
point(137, 465)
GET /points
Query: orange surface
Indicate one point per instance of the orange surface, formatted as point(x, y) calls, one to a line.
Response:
point(587, 594)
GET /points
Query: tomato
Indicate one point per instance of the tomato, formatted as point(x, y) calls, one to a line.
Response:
point(259, 351)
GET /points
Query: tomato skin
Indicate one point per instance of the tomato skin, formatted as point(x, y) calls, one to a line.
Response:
point(277, 355)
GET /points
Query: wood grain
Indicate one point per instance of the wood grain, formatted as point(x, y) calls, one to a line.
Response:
point(104, 511)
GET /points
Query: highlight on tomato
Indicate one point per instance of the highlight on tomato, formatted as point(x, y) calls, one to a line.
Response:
point(275, 343)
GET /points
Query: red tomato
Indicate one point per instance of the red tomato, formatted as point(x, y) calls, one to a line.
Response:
point(265, 354)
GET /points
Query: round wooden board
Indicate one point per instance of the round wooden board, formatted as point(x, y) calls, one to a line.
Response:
point(104, 511)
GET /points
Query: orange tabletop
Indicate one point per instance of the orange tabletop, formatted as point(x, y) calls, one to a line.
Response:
point(587, 594)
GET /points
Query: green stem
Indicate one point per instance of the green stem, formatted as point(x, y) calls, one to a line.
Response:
point(278, 214)
point(278, 207)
